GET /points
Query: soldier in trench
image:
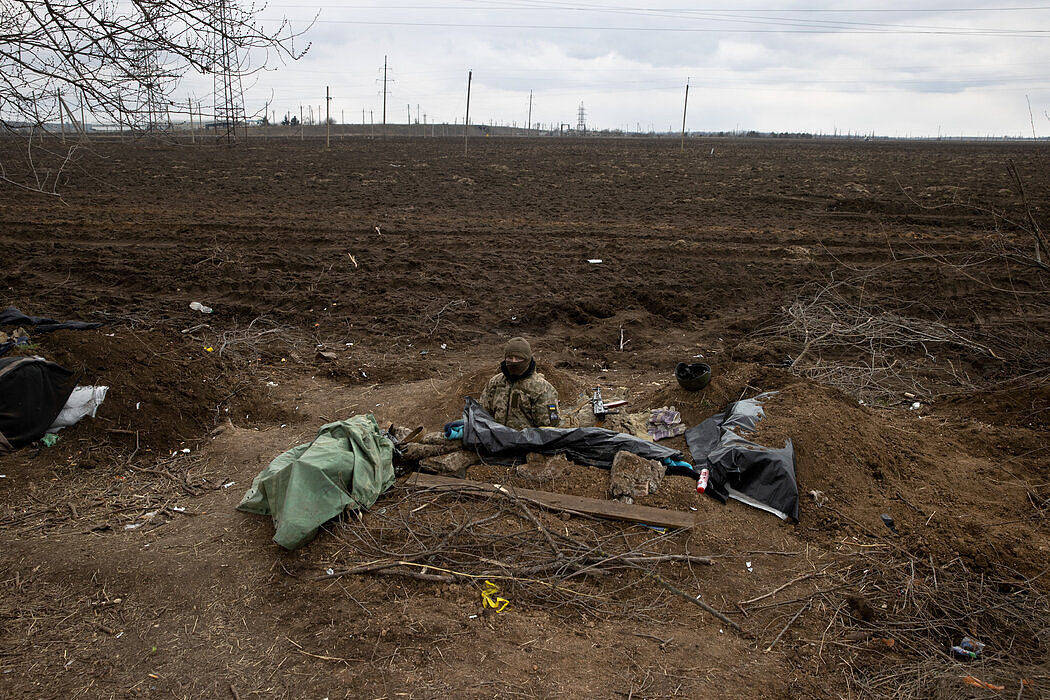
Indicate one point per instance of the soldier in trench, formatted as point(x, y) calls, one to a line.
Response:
point(519, 397)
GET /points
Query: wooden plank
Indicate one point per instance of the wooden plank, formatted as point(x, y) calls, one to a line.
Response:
point(560, 501)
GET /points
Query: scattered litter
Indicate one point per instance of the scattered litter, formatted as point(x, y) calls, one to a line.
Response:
point(967, 649)
point(595, 261)
point(49, 439)
point(228, 484)
point(490, 600)
point(887, 520)
point(271, 383)
point(330, 571)
point(83, 402)
point(209, 349)
point(472, 617)
point(703, 481)
point(138, 405)
point(915, 406)
point(132, 526)
point(197, 306)
point(750, 569)
point(178, 509)
point(444, 347)
point(970, 680)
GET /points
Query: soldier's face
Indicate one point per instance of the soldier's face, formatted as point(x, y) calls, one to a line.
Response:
point(514, 359)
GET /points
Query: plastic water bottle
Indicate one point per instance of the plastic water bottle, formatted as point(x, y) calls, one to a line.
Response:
point(701, 484)
point(197, 306)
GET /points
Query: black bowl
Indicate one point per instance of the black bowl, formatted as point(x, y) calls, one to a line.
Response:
point(692, 376)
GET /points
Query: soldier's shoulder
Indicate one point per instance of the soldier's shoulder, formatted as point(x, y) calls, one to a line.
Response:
point(537, 379)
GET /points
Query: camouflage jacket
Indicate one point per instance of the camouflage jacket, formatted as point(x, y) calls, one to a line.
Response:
point(529, 401)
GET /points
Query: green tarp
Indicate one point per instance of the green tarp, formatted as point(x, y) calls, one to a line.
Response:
point(349, 463)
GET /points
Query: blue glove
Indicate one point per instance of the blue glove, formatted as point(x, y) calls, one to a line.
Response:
point(454, 430)
point(668, 462)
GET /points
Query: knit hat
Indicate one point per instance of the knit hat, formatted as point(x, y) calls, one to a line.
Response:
point(518, 347)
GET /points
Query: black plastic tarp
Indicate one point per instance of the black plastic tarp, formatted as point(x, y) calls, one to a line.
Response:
point(32, 393)
point(760, 476)
point(12, 316)
point(593, 446)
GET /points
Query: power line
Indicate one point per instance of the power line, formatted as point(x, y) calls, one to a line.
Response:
point(887, 30)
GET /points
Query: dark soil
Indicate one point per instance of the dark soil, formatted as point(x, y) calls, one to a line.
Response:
point(128, 573)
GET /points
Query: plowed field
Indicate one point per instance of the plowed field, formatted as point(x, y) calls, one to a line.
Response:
point(890, 292)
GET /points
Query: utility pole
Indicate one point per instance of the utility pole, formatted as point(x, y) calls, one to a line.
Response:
point(302, 125)
point(384, 96)
point(409, 108)
point(466, 119)
point(327, 118)
point(528, 124)
point(684, 108)
point(61, 117)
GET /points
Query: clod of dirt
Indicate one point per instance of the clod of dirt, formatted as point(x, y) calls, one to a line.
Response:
point(451, 463)
point(539, 468)
point(632, 476)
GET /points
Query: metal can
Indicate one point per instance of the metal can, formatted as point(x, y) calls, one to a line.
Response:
point(701, 484)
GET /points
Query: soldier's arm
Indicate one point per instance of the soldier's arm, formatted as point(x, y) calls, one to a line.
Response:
point(486, 397)
point(545, 410)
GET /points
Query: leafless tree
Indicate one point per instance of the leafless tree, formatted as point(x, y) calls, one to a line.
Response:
point(117, 59)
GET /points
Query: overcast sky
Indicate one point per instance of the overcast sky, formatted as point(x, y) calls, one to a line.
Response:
point(947, 68)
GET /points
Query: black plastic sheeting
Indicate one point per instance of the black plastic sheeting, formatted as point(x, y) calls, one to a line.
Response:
point(32, 394)
point(593, 446)
point(760, 476)
point(12, 316)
